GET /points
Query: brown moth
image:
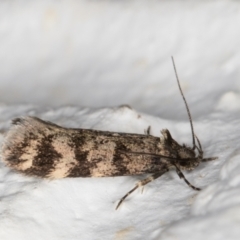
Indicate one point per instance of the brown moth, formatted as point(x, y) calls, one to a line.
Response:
point(43, 149)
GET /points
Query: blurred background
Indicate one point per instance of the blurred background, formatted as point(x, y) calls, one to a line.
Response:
point(108, 53)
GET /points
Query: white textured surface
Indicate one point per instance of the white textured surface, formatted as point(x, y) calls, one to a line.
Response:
point(70, 208)
point(106, 53)
point(93, 54)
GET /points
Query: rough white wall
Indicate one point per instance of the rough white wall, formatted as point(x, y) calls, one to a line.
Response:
point(105, 53)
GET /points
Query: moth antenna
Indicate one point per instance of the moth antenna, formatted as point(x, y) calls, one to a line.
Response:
point(184, 99)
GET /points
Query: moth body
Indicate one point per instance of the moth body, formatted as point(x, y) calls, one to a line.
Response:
point(43, 149)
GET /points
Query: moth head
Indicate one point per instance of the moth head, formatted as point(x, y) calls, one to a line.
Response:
point(186, 158)
point(188, 163)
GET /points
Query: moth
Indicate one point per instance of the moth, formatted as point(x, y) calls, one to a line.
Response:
point(43, 149)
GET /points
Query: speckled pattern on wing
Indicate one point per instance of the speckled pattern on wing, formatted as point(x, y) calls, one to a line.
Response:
point(43, 149)
point(35, 147)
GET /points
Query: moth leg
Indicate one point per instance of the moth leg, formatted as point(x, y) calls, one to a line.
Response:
point(180, 174)
point(142, 183)
point(201, 152)
point(147, 131)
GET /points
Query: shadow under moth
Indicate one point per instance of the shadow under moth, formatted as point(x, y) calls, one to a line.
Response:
point(43, 149)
